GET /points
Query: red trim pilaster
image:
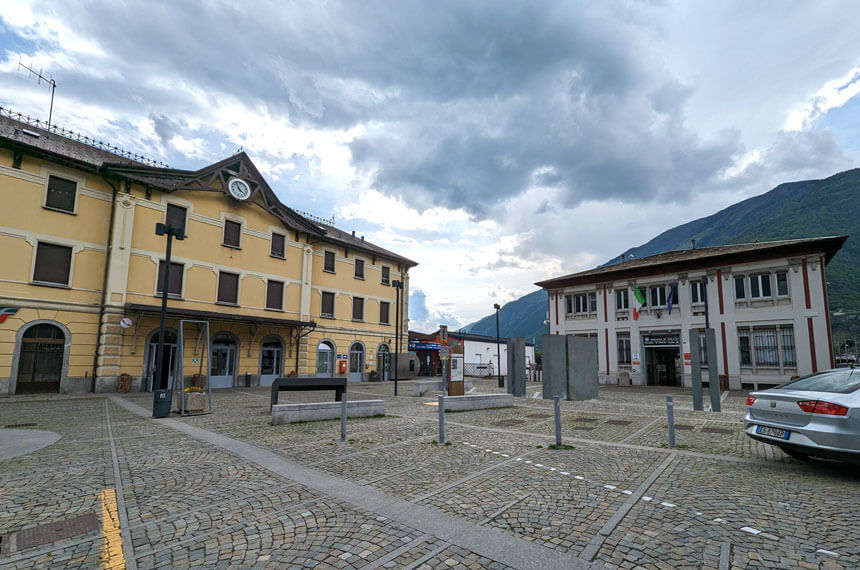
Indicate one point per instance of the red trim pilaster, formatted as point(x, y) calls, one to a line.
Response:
point(725, 349)
point(812, 345)
point(606, 339)
point(720, 293)
point(605, 312)
point(806, 284)
point(827, 313)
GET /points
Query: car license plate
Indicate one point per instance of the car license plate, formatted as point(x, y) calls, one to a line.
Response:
point(772, 432)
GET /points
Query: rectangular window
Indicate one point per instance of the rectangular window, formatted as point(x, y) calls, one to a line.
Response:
point(232, 233)
point(275, 295)
point(657, 296)
point(384, 311)
point(175, 217)
point(782, 283)
point(228, 288)
point(61, 194)
point(53, 264)
point(760, 286)
point(568, 304)
point(386, 275)
point(697, 293)
point(744, 347)
point(328, 264)
point(787, 339)
point(624, 350)
point(357, 309)
point(278, 246)
point(174, 288)
point(766, 350)
point(592, 302)
point(327, 308)
point(740, 291)
point(622, 301)
point(359, 269)
point(580, 304)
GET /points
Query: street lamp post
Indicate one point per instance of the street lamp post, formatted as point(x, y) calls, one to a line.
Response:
point(498, 348)
point(398, 286)
point(170, 232)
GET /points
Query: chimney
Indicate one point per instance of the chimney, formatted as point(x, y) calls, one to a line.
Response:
point(362, 238)
point(353, 233)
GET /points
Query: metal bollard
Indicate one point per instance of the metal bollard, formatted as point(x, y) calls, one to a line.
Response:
point(441, 420)
point(557, 405)
point(670, 413)
point(343, 416)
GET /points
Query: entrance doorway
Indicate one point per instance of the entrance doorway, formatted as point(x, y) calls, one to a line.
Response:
point(325, 359)
point(223, 364)
point(356, 362)
point(41, 360)
point(383, 362)
point(663, 366)
point(168, 366)
point(271, 361)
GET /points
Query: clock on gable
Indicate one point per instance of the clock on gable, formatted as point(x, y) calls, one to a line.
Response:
point(239, 189)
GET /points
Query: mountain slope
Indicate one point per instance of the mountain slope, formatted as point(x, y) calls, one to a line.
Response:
point(810, 208)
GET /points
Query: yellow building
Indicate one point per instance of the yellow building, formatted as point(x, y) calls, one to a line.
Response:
point(80, 278)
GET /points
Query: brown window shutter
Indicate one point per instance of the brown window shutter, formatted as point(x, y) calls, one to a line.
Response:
point(53, 263)
point(278, 246)
point(61, 194)
point(275, 295)
point(176, 271)
point(327, 308)
point(228, 288)
point(357, 309)
point(232, 232)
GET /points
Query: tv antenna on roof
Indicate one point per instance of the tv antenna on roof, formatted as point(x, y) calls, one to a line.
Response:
point(42, 78)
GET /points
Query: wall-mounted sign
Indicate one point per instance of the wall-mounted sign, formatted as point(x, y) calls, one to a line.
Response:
point(125, 322)
point(661, 339)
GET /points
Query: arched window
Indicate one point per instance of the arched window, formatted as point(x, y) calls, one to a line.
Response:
point(325, 359)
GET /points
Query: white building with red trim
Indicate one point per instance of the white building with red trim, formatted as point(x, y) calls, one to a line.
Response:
point(767, 303)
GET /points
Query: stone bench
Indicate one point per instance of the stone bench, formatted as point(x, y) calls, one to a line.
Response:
point(477, 402)
point(312, 411)
point(421, 386)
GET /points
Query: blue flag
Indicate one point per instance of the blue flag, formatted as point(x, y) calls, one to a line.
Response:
point(670, 299)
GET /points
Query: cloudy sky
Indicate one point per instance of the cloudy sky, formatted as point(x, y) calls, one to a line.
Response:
point(496, 143)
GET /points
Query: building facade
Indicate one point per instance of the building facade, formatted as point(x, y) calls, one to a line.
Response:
point(83, 270)
point(767, 303)
point(481, 355)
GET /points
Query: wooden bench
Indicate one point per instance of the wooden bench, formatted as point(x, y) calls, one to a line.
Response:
point(308, 384)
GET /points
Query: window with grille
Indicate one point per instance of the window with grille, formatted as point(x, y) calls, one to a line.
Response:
point(568, 304)
point(592, 302)
point(328, 263)
point(357, 309)
point(384, 311)
point(275, 295)
point(232, 233)
point(53, 264)
point(359, 269)
point(386, 275)
point(744, 347)
point(175, 217)
point(789, 357)
point(624, 350)
point(327, 308)
point(228, 288)
point(174, 288)
point(278, 249)
point(622, 300)
point(61, 194)
point(766, 349)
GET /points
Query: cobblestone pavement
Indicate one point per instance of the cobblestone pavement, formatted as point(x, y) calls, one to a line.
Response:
point(227, 489)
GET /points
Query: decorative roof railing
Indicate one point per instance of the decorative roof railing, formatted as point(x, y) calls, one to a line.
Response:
point(318, 219)
point(71, 135)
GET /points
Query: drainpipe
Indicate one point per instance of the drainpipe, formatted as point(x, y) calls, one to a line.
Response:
point(104, 283)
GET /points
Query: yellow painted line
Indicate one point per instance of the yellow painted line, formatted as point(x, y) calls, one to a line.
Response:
point(112, 555)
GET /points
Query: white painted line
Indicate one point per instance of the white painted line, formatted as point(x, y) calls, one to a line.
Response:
point(496, 453)
point(610, 487)
point(627, 492)
point(721, 521)
point(750, 530)
point(647, 499)
point(670, 505)
point(538, 464)
point(488, 450)
point(565, 473)
point(505, 455)
point(580, 477)
point(519, 458)
point(827, 552)
point(552, 469)
point(527, 461)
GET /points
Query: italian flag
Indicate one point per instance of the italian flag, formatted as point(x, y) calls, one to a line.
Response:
point(5, 312)
point(638, 302)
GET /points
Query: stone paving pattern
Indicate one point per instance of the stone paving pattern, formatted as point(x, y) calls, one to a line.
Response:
point(615, 495)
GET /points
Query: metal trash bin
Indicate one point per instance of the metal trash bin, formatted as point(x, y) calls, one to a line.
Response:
point(161, 401)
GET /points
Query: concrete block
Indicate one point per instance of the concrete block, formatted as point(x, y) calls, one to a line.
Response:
point(554, 366)
point(582, 378)
point(419, 387)
point(517, 366)
point(478, 402)
point(313, 411)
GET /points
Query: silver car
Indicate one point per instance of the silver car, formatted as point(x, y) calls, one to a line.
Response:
point(817, 415)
